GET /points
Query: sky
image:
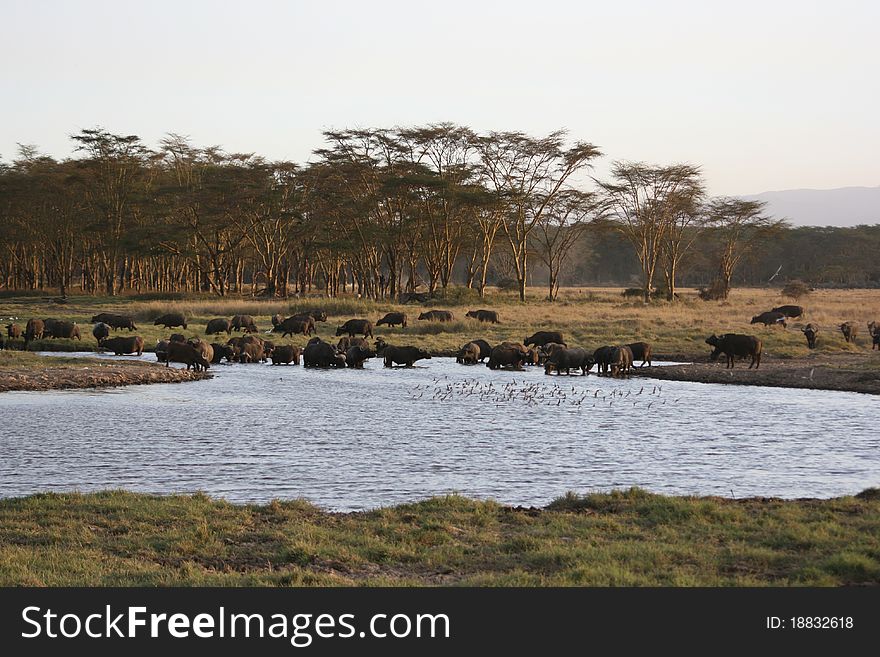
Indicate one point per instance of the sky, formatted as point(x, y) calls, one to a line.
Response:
point(762, 95)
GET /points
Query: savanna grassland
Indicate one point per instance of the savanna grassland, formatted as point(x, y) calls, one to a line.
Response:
point(624, 538)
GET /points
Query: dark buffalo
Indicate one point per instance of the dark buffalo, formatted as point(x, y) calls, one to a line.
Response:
point(222, 351)
point(354, 326)
point(219, 325)
point(620, 360)
point(101, 331)
point(322, 354)
point(437, 316)
point(251, 352)
point(177, 337)
point(181, 352)
point(161, 351)
point(541, 338)
point(483, 315)
point(205, 349)
point(243, 323)
point(533, 356)
point(733, 345)
point(315, 313)
point(286, 355)
point(115, 321)
point(393, 319)
point(13, 331)
point(810, 332)
point(356, 355)
point(790, 311)
point(294, 325)
point(507, 354)
point(849, 330)
point(602, 359)
point(122, 346)
point(405, 355)
point(563, 360)
point(49, 327)
point(62, 329)
point(485, 349)
point(874, 332)
point(345, 343)
point(769, 319)
point(171, 320)
point(469, 354)
point(641, 351)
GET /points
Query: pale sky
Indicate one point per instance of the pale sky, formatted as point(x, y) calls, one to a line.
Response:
point(763, 95)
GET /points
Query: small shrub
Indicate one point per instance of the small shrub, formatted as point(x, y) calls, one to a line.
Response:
point(796, 289)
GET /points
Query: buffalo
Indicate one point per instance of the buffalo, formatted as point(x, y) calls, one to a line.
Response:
point(403, 355)
point(541, 338)
point(205, 349)
point(507, 354)
point(294, 325)
point(101, 331)
point(251, 352)
point(483, 315)
point(733, 345)
point(354, 326)
point(219, 325)
point(769, 319)
point(222, 351)
point(161, 351)
point(243, 323)
point(177, 337)
point(392, 319)
point(790, 311)
point(322, 354)
point(356, 355)
point(641, 351)
point(485, 349)
point(122, 346)
point(437, 316)
point(285, 355)
point(602, 359)
point(345, 343)
point(60, 328)
point(469, 354)
point(620, 360)
point(315, 313)
point(874, 332)
point(849, 330)
point(563, 360)
point(13, 331)
point(115, 321)
point(171, 320)
point(810, 332)
point(182, 352)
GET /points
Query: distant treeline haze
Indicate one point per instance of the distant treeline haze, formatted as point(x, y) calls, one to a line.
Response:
point(380, 212)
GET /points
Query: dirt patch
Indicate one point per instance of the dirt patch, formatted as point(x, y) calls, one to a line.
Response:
point(844, 372)
point(92, 374)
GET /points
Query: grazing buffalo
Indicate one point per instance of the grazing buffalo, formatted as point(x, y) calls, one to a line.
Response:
point(243, 323)
point(13, 331)
point(181, 352)
point(602, 359)
point(437, 316)
point(849, 330)
point(507, 354)
point(285, 355)
point(541, 338)
point(810, 332)
point(171, 320)
point(60, 328)
point(563, 360)
point(49, 327)
point(483, 315)
point(122, 346)
point(356, 355)
point(733, 345)
point(403, 355)
point(354, 326)
point(769, 319)
point(294, 325)
point(222, 351)
point(315, 313)
point(790, 311)
point(392, 319)
point(322, 354)
point(219, 325)
point(469, 354)
point(115, 321)
point(641, 351)
point(101, 331)
point(620, 360)
point(205, 349)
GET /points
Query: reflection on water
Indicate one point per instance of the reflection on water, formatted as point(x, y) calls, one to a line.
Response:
point(349, 439)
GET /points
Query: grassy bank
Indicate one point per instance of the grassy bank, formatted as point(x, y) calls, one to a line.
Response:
point(630, 538)
point(587, 317)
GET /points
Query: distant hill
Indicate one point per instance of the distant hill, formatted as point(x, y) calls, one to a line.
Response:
point(845, 206)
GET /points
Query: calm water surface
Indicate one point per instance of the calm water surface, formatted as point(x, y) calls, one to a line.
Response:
point(349, 439)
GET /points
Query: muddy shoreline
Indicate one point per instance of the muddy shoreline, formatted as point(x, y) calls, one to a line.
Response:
point(92, 373)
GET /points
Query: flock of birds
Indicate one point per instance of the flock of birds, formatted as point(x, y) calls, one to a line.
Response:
point(537, 394)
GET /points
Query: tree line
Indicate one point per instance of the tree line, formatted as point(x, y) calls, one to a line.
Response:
point(379, 212)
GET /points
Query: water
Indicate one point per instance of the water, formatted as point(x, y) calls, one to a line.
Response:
point(349, 439)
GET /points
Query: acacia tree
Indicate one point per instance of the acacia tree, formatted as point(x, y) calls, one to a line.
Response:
point(644, 199)
point(739, 226)
point(686, 223)
point(526, 175)
point(563, 223)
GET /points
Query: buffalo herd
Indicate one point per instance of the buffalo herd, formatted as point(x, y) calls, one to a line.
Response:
point(780, 316)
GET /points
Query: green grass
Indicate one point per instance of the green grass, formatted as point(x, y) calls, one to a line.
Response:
point(624, 538)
